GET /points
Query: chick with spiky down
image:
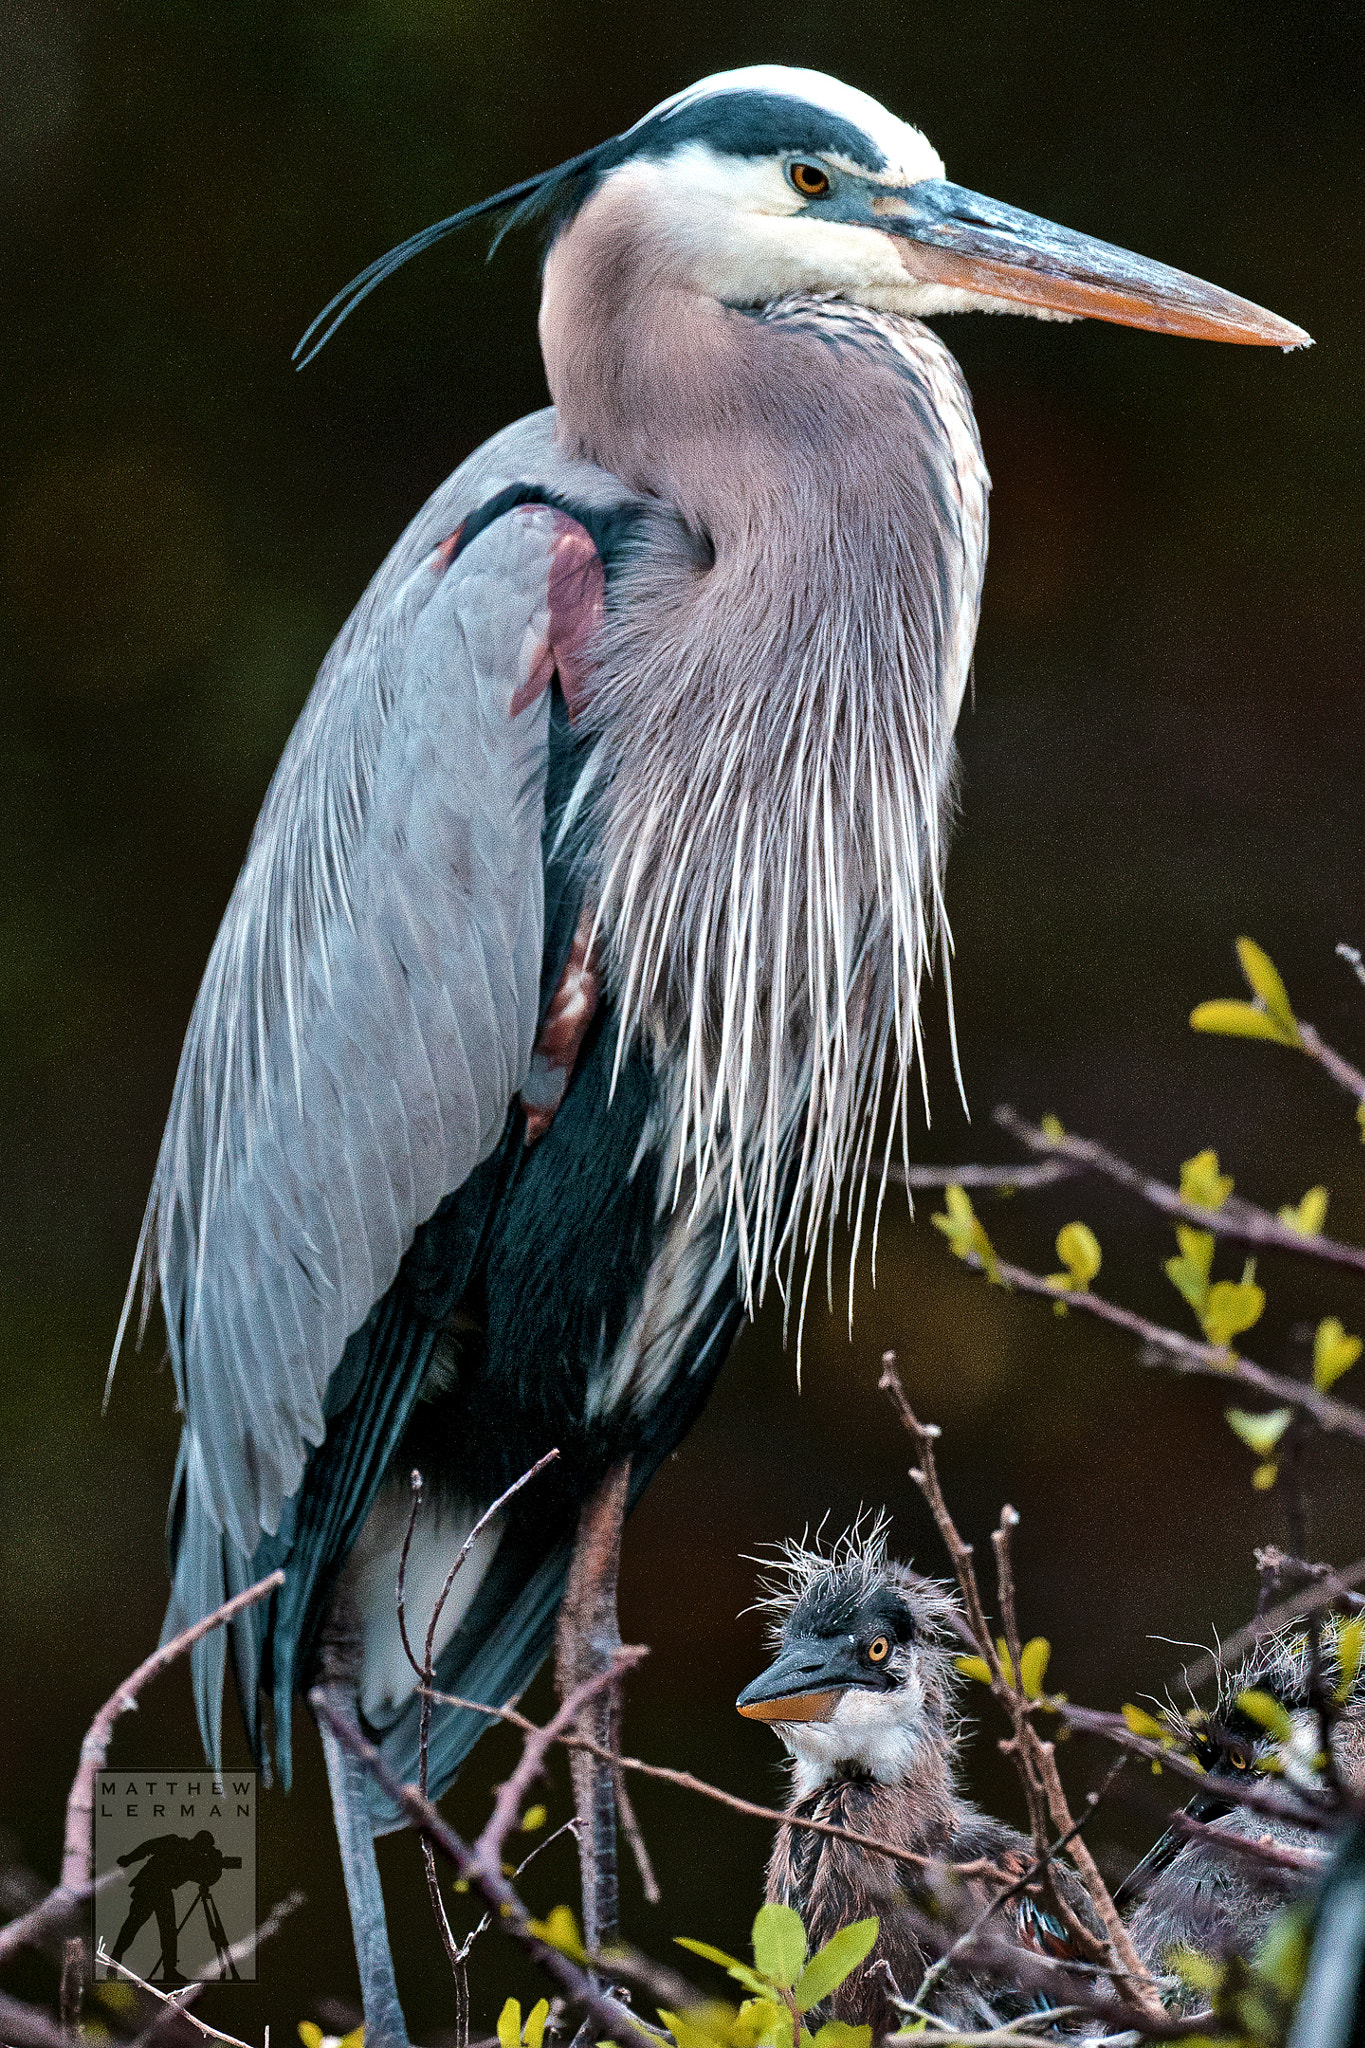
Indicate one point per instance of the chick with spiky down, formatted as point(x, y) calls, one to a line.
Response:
point(1193, 1895)
point(862, 1692)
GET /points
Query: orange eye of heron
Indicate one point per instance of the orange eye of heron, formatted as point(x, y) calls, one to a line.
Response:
point(812, 183)
point(878, 1650)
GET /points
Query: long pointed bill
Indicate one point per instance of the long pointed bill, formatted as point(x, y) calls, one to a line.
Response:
point(958, 238)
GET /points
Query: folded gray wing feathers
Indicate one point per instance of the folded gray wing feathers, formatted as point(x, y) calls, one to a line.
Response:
point(370, 1003)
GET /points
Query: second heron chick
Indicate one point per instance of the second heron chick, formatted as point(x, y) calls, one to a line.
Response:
point(863, 1694)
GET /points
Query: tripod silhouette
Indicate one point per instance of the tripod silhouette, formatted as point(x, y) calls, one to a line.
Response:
point(172, 1861)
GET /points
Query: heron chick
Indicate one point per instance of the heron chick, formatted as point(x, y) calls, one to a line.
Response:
point(863, 1694)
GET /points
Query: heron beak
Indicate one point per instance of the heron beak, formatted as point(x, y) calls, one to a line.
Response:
point(954, 237)
point(806, 1683)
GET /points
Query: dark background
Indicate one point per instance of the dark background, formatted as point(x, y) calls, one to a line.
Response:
point(1165, 750)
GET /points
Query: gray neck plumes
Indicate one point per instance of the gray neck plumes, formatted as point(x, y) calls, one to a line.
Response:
point(779, 680)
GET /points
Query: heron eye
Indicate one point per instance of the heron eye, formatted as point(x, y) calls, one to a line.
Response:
point(878, 1650)
point(812, 183)
point(1240, 1758)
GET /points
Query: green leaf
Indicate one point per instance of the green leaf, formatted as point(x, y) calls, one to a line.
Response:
point(762, 2023)
point(1260, 1433)
point(1264, 980)
point(974, 1667)
point(1002, 1651)
point(533, 1818)
point(1079, 1251)
point(838, 2034)
point(1200, 1972)
point(1307, 1216)
point(1335, 1351)
point(1232, 1306)
point(1360, 1119)
point(509, 2024)
point(1233, 1019)
point(1350, 1643)
point(1052, 1127)
point(1202, 1185)
point(1143, 1723)
point(962, 1228)
point(1033, 1665)
point(560, 1931)
point(1282, 1958)
point(1267, 1713)
point(741, 1972)
point(779, 1945)
point(841, 1955)
point(1190, 1272)
point(533, 2033)
point(1265, 1475)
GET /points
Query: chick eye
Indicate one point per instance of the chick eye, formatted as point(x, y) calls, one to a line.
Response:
point(1240, 1759)
point(878, 1650)
point(812, 183)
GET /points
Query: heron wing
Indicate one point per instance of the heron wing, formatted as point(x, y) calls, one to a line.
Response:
point(370, 1003)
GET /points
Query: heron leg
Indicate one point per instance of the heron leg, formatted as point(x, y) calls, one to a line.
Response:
point(385, 2026)
point(587, 1639)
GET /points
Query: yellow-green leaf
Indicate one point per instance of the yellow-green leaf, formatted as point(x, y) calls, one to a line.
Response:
point(841, 1955)
point(560, 1931)
point(1052, 1127)
point(1267, 1712)
point(1265, 1475)
point(741, 1972)
point(1190, 1272)
point(1350, 1643)
point(1002, 1651)
point(310, 2033)
point(962, 1227)
point(1260, 1433)
point(1234, 1019)
point(1202, 1185)
point(1282, 1958)
point(1033, 1665)
point(1143, 1723)
point(1335, 1351)
point(839, 2034)
point(533, 1818)
point(1079, 1251)
point(1264, 980)
point(1200, 1972)
point(779, 1940)
point(1307, 1216)
point(1232, 1306)
point(762, 2023)
point(974, 1667)
point(533, 2033)
point(1360, 1119)
point(509, 2024)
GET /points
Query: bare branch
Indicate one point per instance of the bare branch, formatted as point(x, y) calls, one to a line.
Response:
point(102, 1955)
point(80, 1805)
point(1245, 1221)
point(1260, 1848)
point(1342, 1072)
point(53, 1912)
point(1319, 1595)
point(28, 2026)
point(1257, 1794)
point(607, 2014)
point(1007, 1178)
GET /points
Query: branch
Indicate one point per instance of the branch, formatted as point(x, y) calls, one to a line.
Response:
point(28, 2026)
point(1320, 1594)
point(80, 1806)
point(1260, 1847)
point(169, 1998)
point(53, 1912)
point(1006, 1178)
point(1342, 1072)
point(1245, 1221)
point(1187, 1354)
point(1258, 1795)
point(686, 1782)
point(607, 2014)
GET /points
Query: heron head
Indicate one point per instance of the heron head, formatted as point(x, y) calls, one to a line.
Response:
point(763, 182)
point(863, 1673)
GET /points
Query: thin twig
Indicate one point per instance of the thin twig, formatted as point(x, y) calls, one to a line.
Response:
point(1258, 1795)
point(979, 1866)
point(1310, 1598)
point(102, 1955)
point(1342, 1072)
point(1245, 1221)
point(473, 1863)
point(1351, 955)
point(1187, 1354)
point(649, 1883)
point(1006, 1178)
point(237, 1953)
point(80, 1805)
point(1259, 1847)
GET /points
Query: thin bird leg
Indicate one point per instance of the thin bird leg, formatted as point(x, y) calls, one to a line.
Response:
point(586, 1641)
point(385, 2026)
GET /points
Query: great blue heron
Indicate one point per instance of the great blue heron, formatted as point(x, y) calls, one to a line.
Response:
point(864, 1693)
point(583, 926)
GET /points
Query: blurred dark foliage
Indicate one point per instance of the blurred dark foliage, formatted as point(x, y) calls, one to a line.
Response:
point(1165, 750)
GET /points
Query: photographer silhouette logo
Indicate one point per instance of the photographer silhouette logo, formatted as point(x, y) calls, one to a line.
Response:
point(184, 1843)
